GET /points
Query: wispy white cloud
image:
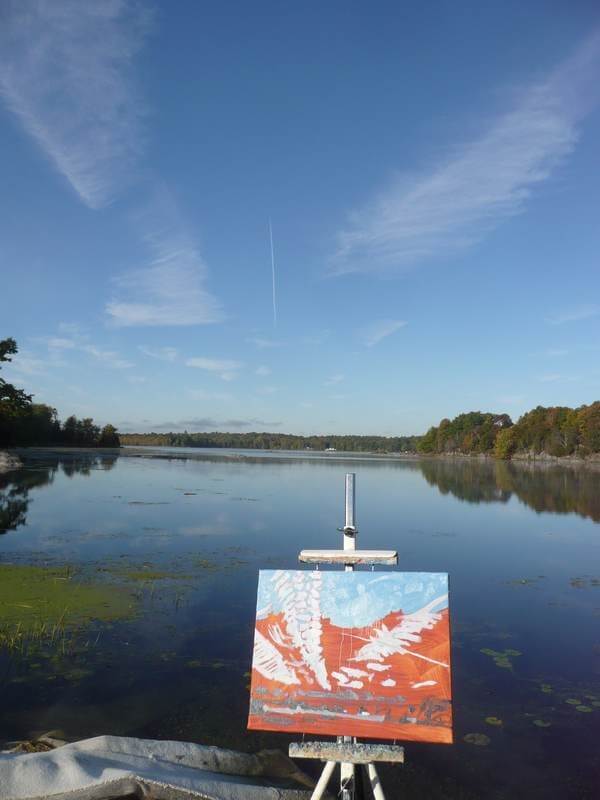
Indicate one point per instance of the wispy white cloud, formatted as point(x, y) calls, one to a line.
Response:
point(317, 338)
point(161, 353)
point(26, 363)
point(575, 314)
point(263, 343)
point(226, 368)
point(60, 343)
point(333, 380)
point(378, 330)
point(453, 204)
point(210, 423)
point(553, 377)
point(107, 357)
point(170, 290)
point(263, 371)
point(66, 73)
point(202, 394)
point(78, 342)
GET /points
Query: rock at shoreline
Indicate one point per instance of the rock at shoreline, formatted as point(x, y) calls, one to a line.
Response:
point(8, 462)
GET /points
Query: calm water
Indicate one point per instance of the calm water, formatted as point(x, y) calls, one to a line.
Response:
point(182, 539)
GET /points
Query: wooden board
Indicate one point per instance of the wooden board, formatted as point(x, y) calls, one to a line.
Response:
point(349, 753)
point(354, 557)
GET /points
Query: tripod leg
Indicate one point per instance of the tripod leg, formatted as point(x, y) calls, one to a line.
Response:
point(375, 782)
point(319, 789)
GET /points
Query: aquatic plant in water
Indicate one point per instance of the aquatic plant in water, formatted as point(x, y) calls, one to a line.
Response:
point(40, 604)
point(478, 739)
point(502, 658)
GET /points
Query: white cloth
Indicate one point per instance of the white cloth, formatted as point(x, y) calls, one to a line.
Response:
point(111, 766)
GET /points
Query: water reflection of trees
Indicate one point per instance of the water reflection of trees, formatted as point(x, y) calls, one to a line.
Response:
point(15, 487)
point(473, 480)
point(559, 489)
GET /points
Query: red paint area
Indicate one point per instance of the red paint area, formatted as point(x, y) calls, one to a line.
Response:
point(373, 710)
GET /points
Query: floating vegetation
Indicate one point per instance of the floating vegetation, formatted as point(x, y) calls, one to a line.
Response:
point(148, 503)
point(540, 723)
point(478, 739)
point(525, 581)
point(583, 709)
point(584, 582)
point(40, 600)
point(572, 701)
point(546, 688)
point(502, 658)
point(494, 721)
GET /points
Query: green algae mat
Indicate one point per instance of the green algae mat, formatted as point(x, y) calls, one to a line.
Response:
point(31, 596)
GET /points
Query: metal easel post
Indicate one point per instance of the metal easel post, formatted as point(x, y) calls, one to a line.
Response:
point(347, 777)
point(347, 752)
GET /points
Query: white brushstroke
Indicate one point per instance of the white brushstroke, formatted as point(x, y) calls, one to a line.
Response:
point(299, 594)
point(378, 667)
point(321, 712)
point(340, 678)
point(385, 642)
point(355, 673)
point(268, 661)
point(423, 683)
point(388, 682)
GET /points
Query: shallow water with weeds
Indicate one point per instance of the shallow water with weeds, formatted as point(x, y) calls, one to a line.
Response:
point(128, 586)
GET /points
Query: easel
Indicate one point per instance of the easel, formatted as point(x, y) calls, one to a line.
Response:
point(347, 752)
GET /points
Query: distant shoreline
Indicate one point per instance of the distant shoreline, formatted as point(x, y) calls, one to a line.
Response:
point(239, 454)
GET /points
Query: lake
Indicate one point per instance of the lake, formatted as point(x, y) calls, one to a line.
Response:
point(128, 592)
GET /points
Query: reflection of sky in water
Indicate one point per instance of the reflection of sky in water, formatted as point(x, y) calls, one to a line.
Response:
point(511, 540)
point(357, 599)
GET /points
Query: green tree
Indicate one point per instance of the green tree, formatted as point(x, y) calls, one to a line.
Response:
point(109, 437)
point(13, 402)
point(505, 444)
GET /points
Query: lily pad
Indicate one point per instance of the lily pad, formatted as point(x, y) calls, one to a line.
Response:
point(546, 688)
point(514, 653)
point(488, 652)
point(573, 702)
point(540, 723)
point(478, 739)
point(493, 721)
point(583, 709)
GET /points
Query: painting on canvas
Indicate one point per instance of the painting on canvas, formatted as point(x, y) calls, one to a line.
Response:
point(352, 653)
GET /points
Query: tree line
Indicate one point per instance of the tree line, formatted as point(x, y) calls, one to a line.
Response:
point(276, 441)
point(25, 423)
point(554, 431)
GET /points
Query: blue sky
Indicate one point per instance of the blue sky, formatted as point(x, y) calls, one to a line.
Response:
point(358, 599)
point(431, 173)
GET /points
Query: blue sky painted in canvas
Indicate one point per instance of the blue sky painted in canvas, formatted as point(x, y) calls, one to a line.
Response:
point(431, 172)
point(357, 599)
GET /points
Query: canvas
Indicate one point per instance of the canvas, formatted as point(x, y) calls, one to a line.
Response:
point(352, 653)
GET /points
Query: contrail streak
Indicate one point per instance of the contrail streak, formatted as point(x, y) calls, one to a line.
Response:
point(273, 275)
